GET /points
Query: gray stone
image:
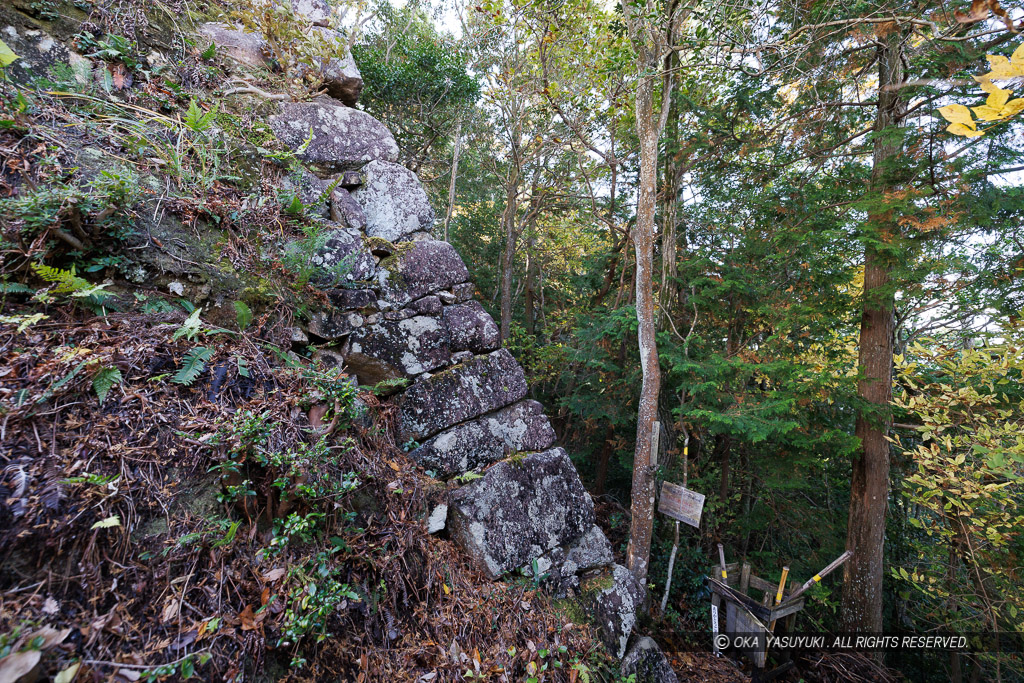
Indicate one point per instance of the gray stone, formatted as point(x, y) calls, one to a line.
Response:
point(314, 11)
point(330, 359)
point(345, 211)
point(248, 49)
point(519, 427)
point(398, 315)
point(419, 269)
point(343, 257)
point(647, 662)
point(350, 180)
point(342, 138)
point(38, 52)
point(464, 292)
point(471, 328)
point(394, 201)
point(339, 72)
point(298, 336)
point(614, 598)
point(350, 299)
point(461, 356)
point(438, 519)
point(310, 190)
point(478, 386)
point(397, 348)
point(332, 325)
point(559, 568)
point(519, 510)
point(428, 305)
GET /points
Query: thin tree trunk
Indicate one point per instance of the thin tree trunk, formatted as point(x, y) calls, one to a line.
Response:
point(531, 282)
point(455, 173)
point(669, 193)
point(869, 484)
point(642, 499)
point(508, 219)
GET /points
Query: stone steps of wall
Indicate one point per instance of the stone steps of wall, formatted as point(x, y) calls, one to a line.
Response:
point(406, 311)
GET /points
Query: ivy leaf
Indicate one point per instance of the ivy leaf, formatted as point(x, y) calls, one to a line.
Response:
point(193, 364)
point(7, 56)
point(104, 380)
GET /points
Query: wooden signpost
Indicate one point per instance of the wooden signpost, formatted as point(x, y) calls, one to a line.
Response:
point(681, 503)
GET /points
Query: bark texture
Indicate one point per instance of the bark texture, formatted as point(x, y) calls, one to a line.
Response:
point(869, 486)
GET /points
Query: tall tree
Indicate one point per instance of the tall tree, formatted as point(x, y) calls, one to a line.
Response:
point(649, 24)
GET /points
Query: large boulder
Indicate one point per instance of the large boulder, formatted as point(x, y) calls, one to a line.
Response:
point(418, 269)
point(248, 49)
point(647, 663)
point(471, 328)
point(614, 598)
point(519, 427)
point(559, 568)
point(343, 258)
point(345, 211)
point(38, 52)
point(394, 201)
point(520, 509)
point(478, 386)
point(397, 348)
point(316, 12)
point(339, 72)
point(340, 138)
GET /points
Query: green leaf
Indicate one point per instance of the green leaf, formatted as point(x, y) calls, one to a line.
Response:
point(104, 380)
point(243, 314)
point(193, 364)
point(189, 328)
point(243, 366)
point(107, 523)
point(7, 56)
point(210, 52)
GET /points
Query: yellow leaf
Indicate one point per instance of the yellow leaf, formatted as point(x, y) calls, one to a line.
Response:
point(1018, 54)
point(7, 56)
point(68, 674)
point(447, 590)
point(987, 113)
point(957, 113)
point(107, 523)
point(998, 98)
point(961, 129)
point(987, 85)
point(1014, 106)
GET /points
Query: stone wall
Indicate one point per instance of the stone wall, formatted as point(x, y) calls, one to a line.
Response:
point(402, 308)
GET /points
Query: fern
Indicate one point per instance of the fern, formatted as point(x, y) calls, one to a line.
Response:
point(69, 283)
point(193, 364)
point(196, 120)
point(104, 380)
point(66, 280)
point(243, 315)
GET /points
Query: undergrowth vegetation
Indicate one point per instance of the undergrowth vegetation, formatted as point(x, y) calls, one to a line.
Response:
point(182, 496)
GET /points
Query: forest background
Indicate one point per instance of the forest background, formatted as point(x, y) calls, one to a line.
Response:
point(829, 264)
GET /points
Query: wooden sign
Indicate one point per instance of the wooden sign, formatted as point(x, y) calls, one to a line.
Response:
point(681, 503)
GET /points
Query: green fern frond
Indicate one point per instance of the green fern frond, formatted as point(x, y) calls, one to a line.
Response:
point(193, 364)
point(66, 280)
point(104, 381)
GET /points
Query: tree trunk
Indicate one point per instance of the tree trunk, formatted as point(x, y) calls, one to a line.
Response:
point(669, 208)
point(531, 282)
point(642, 498)
point(455, 173)
point(508, 219)
point(869, 485)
